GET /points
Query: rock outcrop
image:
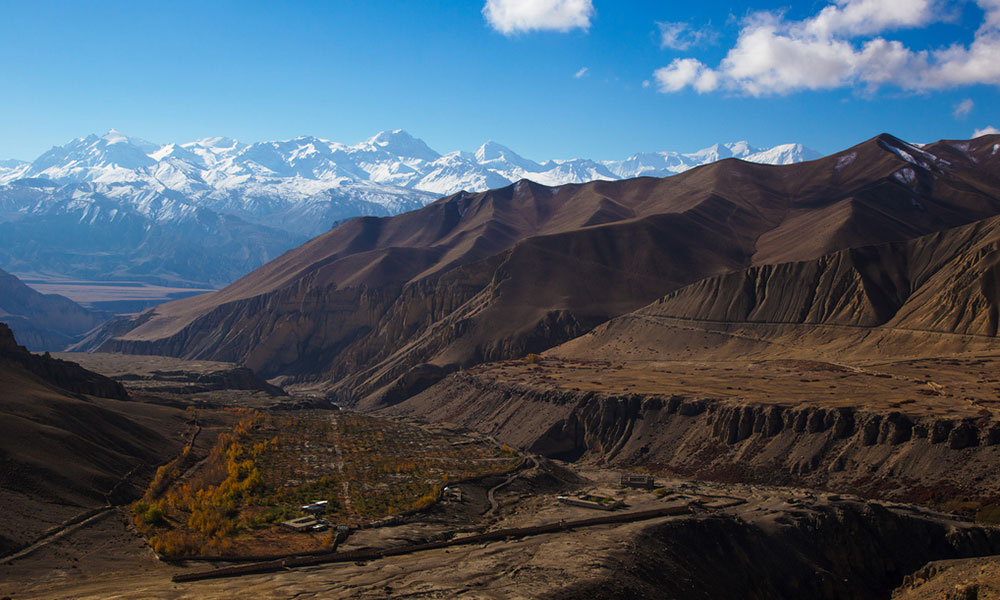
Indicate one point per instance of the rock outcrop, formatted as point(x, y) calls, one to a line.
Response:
point(888, 453)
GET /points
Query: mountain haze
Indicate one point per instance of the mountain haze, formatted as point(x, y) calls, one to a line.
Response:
point(203, 213)
point(43, 321)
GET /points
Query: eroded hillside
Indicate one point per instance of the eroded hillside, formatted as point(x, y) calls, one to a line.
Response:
point(378, 309)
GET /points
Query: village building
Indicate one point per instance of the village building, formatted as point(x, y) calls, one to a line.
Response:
point(301, 524)
point(316, 508)
point(634, 480)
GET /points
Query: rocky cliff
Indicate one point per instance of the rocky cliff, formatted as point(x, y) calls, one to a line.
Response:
point(889, 453)
point(821, 551)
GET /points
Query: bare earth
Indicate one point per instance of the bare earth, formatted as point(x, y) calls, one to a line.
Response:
point(934, 386)
point(105, 558)
point(959, 579)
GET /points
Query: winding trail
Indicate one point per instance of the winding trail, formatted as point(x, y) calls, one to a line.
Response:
point(293, 561)
point(60, 531)
point(491, 493)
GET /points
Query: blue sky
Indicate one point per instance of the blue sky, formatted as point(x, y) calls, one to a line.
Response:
point(456, 75)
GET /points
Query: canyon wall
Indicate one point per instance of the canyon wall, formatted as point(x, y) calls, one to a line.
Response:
point(886, 454)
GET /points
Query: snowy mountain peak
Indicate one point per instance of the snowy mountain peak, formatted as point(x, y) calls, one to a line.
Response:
point(492, 151)
point(178, 152)
point(382, 174)
point(12, 163)
point(740, 148)
point(402, 144)
point(784, 154)
point(720, 151)
point(217, 143)
point(113, 136)
point(499, 157)
point(85, 159)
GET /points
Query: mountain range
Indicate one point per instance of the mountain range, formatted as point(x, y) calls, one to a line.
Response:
point(203, 213)
point(378, 308)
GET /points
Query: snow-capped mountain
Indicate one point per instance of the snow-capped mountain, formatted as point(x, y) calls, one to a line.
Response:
point(390, 172)
point(214, 196)
point(11, 164)
point(663, 164)
point(257, 182)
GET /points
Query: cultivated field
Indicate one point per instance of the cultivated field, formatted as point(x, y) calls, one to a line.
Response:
point(261, 473)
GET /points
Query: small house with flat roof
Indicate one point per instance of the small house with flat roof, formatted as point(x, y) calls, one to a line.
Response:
point(634, 480)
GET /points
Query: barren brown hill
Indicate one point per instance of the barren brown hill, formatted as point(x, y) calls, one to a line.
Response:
point(380, 308)
point(68, 438)
point(938, 294)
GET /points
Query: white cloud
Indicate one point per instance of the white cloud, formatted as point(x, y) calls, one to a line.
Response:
point(988, 130)
point(514, 16)
point(684, 72)
point(681, 36)
point(867, 17)
point(963, 108)
point(834, 48)
point(581, 73)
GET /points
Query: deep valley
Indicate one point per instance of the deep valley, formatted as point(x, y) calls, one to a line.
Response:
point(741, 381)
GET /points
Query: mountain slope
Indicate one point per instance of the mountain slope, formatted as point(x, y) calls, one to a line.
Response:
point(377, 307)
point(939, 292)
point(43, 321)
point(67, 436)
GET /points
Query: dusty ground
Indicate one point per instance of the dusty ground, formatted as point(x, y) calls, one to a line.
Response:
point(105, 559)
point(960, 579)
point(110, 295)
point(118, 365)
point(166, 380)
point(956, 387)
